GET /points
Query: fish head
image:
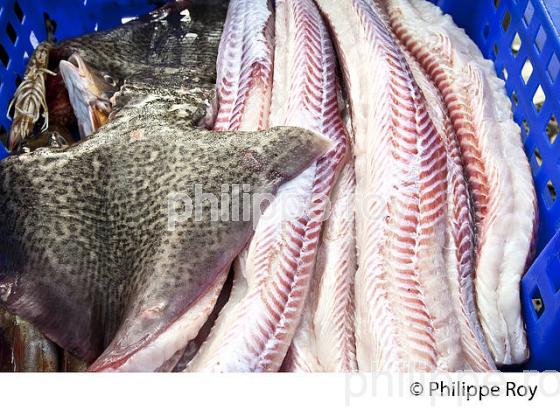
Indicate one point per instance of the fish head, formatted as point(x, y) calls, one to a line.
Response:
point(89, 92)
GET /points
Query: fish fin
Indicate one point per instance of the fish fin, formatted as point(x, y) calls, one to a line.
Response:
point(96, 247)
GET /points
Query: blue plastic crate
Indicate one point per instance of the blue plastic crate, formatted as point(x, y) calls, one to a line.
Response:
point(519, 35)
point(522, 37)
point(23, 26)
point(541, 307)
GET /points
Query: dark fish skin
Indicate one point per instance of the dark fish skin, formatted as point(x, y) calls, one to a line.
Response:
point(85, 250)
point(92, 261)
point(158, 39)
point(175, 38)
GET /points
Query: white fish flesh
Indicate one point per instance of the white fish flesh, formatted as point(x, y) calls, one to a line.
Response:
point(333, 319)
point(497, 169)
point(244, 93)
point(404, 314)
point(460, 231)
point(282, 253)
point(325, 339)
point(244, 67)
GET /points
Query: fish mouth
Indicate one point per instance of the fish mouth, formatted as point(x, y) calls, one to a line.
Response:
point(89, 93)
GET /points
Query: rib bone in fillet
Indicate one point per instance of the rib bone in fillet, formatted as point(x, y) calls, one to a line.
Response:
point(496, 167)
point(281, 255)
point(404, 313)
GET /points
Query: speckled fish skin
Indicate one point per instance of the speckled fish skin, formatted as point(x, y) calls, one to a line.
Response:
point(179, 35)
point(102, 264)
point(102, 271)
point(496, 167)
point(404, 318)
point(125, 53)
point(173, 36)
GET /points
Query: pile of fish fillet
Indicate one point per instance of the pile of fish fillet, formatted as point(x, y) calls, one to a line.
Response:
point(419, 221)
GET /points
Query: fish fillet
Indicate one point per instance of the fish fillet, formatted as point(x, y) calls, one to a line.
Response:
point(244, 95)
point(404, 315)
point(333, 319)
point(460, 231)
point(122, 263)
point(497, 169)
point(244, 79)
point(325, 340)
point(244, 67)
point(302, 355)
point(281, 256)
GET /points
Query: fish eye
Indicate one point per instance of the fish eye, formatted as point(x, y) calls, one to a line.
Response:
point(110, 80)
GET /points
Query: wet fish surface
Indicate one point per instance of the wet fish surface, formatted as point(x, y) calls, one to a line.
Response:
point(276, 272)
point(23, 348)
point(334, 313)
point(88, 253)
point(404, 318)
point(398, 219)
point(497, 170)
point(460, 231)
point(244, 94)
point(173, 38)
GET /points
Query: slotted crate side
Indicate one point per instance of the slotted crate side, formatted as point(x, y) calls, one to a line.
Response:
point(541, 308)
point(523, 39)
point(526, 48)
point(15, 45)
point(23, 26)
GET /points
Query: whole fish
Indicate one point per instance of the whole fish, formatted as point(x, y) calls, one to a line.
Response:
point(119, 266)
point(93, 66)
point(88, 94)
point(496, 167)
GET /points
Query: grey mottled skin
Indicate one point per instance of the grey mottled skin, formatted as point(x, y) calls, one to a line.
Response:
point(175, 39)
point(85, 250)
point(164, 38)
